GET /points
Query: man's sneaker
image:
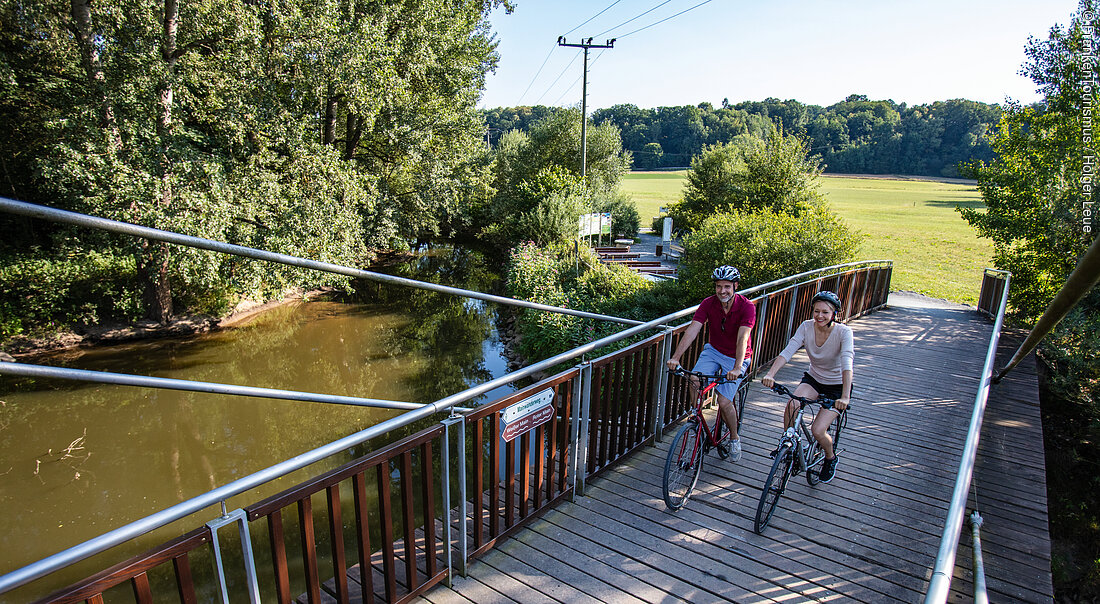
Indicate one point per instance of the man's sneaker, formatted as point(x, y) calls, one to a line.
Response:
point(735, 450)
point(828, 469)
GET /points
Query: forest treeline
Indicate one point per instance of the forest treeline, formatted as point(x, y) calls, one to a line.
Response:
point(857, 135)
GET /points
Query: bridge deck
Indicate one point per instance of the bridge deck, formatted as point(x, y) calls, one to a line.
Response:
point(871, 535)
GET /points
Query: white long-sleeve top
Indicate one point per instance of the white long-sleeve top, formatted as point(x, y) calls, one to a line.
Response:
point(828, 361)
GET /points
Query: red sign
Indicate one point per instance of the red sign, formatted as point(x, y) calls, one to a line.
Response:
point(527, 422)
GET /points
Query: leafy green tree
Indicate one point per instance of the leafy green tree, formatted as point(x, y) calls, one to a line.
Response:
point(778, 174)
point(649, 157)
point(324, 128)
point(539, 192)
point(1038, 187)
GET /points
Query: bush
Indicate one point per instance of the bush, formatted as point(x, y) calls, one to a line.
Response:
point(624, 214)
point(42, 295)
point(554, 276)
point(765, 246)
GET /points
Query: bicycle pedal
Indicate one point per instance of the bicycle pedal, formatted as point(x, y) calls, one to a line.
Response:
point(723, 451)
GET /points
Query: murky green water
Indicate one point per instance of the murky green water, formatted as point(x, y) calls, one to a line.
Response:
point(79, 460)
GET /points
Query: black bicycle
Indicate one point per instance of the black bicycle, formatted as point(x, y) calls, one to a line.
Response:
point(798, 450)
point(696, 438)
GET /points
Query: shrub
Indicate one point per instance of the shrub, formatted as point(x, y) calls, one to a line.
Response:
point(778, 173)
point(554, 276)
point(624, 214)
point(764, 245)
point(42, 295)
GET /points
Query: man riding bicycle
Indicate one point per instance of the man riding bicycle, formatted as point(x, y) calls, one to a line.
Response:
point(731, 317)
point(832, 352)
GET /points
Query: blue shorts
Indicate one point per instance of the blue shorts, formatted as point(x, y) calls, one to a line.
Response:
point(711, 362)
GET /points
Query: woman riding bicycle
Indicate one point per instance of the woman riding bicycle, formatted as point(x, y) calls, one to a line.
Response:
point(832, 352)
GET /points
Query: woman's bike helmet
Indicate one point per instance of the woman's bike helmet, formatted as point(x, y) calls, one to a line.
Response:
point(829, 297)
point(725, 273)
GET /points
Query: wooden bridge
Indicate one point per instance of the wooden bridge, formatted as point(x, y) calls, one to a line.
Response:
point(571, 510)
point(871, 535)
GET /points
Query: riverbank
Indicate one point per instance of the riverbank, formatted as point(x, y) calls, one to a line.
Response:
point(26, 347)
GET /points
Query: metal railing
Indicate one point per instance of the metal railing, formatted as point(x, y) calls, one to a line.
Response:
point(603, 417)
point(940, 584)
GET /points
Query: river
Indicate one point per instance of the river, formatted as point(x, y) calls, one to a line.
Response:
point(78, 460)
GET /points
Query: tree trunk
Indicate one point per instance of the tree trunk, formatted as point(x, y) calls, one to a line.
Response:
point(331, 103)
point(353, 134)
point(81, 12)
point(155, 255)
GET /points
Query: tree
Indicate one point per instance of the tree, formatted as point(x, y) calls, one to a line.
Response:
point(539, 192)
point(777, 174)
point(323, 128)
point(649, 157)
point(1038, 188)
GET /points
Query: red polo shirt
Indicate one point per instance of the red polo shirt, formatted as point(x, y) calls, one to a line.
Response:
point(724, 326)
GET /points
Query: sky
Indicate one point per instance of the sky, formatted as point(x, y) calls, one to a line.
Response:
point(812, 51)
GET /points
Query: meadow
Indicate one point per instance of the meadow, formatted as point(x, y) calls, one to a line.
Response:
point(912, 222)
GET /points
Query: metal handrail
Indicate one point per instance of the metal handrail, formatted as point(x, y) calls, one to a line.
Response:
point(154, 521)
point(940, 584)
point(142, 381)
point(125, 228)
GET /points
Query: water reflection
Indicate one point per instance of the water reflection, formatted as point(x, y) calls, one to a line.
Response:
point(78, 460)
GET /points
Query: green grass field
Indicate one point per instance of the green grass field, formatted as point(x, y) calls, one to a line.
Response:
point(912, 222)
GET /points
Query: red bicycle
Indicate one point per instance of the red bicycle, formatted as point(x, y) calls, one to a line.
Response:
point(696, 439)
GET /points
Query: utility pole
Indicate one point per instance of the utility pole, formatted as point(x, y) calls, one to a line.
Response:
point(585, 44)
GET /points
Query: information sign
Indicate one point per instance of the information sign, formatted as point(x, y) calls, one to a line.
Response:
point(527, 414)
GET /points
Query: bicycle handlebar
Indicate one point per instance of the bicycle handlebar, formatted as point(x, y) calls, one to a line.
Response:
point(824, 401)
point(718, 378)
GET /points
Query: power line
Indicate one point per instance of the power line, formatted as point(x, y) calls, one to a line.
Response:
point(574, 84)
point(667, 18)
point(633, 18)
point(531, 83)
point(559, 76)
point(592, 17)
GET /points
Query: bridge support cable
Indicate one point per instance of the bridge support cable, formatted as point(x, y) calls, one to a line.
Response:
point(1080, 281)
point(46, 213)
point(940, 584)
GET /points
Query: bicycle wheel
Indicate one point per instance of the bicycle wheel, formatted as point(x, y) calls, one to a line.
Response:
point(817, 455)
point(682, 468)
point(774, 487)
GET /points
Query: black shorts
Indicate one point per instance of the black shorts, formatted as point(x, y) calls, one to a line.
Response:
point(833, 391)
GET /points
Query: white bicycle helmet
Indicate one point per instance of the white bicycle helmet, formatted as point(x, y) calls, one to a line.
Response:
point(725, 273)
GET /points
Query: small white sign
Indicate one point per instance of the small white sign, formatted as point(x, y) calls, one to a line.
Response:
point(527, 405)
point(666, 229)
